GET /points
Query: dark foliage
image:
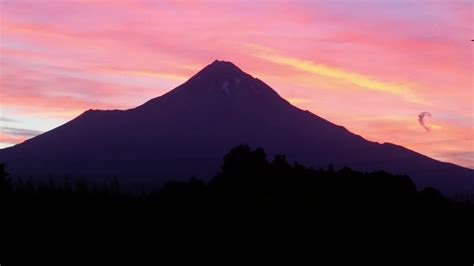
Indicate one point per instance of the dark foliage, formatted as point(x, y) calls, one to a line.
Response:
point(250, 191)
point(5, 182)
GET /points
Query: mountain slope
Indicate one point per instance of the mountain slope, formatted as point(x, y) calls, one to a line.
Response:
point(186, 132)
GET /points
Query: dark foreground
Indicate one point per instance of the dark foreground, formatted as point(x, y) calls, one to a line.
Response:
point(250, 198)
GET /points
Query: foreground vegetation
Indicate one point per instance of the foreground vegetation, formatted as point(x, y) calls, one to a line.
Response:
point(249, 192)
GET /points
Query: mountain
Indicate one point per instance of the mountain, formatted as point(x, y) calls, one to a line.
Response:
point(186, 132)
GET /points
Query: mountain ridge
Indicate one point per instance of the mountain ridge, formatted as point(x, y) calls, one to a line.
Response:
point(186, 131)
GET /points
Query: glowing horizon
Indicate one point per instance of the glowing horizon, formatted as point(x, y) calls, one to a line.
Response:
point(371, 67)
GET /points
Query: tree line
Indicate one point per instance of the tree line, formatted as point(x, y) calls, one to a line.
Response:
point(251, 197)
point(249, 180)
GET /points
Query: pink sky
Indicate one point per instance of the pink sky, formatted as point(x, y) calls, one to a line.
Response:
point(371, 66)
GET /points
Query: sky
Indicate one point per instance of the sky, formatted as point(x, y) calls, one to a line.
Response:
point(372, 66)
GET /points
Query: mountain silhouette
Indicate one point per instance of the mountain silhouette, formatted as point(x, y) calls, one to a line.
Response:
point(186, 131)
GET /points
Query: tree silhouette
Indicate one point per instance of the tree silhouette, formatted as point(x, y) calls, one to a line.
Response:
point(5, 181)
point(247, 185)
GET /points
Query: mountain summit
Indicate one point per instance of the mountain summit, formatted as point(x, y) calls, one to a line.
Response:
point(223, 82)
point(186, 131)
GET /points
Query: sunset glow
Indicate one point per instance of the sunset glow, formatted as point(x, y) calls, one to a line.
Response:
point(371, 70)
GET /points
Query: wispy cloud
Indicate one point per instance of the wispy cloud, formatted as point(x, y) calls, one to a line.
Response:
point(20, 132)
point(6, 119)
point(296, 100)
point(7, 139)
point(357, 79)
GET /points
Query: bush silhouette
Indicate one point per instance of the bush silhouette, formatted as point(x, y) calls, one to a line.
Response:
point(5, 182)
point(248, 184)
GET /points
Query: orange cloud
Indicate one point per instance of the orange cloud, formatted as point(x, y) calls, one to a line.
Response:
point(144, 73)
point(7, 139)
point(359, 80)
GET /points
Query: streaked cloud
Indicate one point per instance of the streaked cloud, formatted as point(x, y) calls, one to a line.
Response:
point(296, 101)
point(7, 140)
point(6, 119)
point(145, 73)
point(20, 132)
point(360, 80)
